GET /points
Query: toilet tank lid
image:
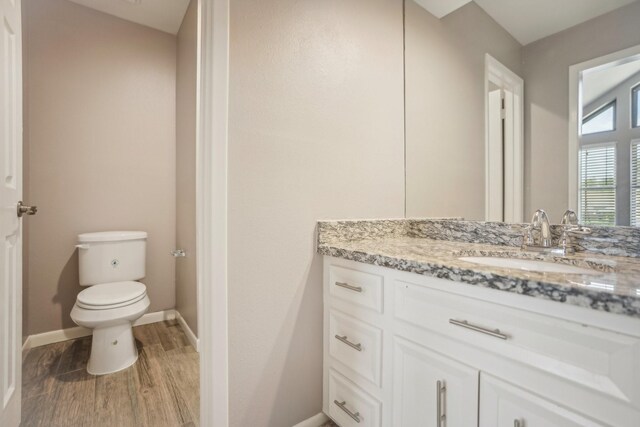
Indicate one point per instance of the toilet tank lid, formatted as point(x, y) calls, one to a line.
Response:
point(111, 236)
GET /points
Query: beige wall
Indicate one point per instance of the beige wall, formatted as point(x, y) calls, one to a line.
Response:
point(445, 138)
point(100, 116)
point(316, 131)
point(546, 75)
point(186, 290)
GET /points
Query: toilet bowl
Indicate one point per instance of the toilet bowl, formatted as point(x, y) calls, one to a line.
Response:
point(110, 309)
point(110, 263)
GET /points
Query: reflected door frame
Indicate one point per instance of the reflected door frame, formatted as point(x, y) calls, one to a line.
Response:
point(504, 157)
point(211, 209)
point(575, 113)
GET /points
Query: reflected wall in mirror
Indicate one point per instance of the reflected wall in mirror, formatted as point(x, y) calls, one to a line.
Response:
point(448, 155)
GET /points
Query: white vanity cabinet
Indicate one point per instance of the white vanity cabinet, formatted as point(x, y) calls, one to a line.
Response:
point(505, 405)
point(407, 350)
point(427, 386)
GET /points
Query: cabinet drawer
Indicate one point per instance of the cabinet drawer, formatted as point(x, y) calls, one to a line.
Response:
point(604, 361)
point(350, 406)
point(356, 344)
point(357, 287)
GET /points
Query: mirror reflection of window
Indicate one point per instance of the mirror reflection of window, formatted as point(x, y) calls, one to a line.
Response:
point(597, 184)
point(608, 156)
point(601, 120)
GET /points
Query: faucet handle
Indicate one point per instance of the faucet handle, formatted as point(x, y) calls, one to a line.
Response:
point(578, 229)
point(527, 237)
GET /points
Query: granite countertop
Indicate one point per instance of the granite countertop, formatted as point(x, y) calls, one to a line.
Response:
point(614, 286)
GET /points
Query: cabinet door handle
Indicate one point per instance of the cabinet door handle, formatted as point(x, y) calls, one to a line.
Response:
point(441, 403)
point(349, 343)
point(518, 423)
point(494, 333)
point(343, 405)
point(348, 286)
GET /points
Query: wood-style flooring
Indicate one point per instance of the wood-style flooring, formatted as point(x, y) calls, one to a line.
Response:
point(160, 389)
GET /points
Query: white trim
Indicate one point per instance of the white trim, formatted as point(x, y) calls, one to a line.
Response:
point(51, 337)
point(211, 209)
point(195, 342)
point(26, 345)
point(513, 178)
point(156, 316)
point(575, 113)
point(315, 421)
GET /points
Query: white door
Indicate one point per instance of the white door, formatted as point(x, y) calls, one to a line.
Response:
point(10, 194)
point(431, 390)
point(505, 405)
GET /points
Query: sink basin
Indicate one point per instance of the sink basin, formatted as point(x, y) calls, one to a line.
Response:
point(528, 265)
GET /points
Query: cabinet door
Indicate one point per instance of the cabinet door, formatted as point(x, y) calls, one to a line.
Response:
point(431, 390)
point(505, 405)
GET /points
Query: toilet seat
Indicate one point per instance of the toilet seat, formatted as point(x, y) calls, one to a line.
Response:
point(107, 296)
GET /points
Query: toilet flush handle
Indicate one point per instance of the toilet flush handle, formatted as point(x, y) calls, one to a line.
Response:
point(82, 246)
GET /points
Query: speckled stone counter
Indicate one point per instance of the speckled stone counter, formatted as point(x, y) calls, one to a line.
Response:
point(433, 248)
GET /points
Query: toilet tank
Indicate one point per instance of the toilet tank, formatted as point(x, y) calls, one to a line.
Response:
point(111, 256)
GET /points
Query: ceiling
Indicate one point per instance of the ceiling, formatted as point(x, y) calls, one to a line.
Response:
point(531, 20)
point(526, 20)
point(597, 83)
point(163, 15)
point(440, 8)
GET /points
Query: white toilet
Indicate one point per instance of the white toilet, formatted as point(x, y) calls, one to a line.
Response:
point(110, 263)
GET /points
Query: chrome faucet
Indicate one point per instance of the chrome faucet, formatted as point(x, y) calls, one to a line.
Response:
point(570, 226)
point(540, 223)
point(569, 217)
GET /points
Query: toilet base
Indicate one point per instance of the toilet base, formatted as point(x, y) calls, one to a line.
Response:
point(113, 349)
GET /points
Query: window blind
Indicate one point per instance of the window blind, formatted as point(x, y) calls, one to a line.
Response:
point(597, 184)
point(635, 183)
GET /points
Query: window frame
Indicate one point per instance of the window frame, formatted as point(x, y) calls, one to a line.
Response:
point(595, 113)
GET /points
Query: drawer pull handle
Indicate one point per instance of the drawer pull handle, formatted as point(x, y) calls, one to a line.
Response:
point(349, 343)
point(494, 333)
point(441, 403)
point(342, 405)
point(348, 286)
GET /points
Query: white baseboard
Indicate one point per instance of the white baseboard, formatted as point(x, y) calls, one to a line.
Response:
point(157, 316)
point(195, 342)
point(315, 421)
point(51, 337)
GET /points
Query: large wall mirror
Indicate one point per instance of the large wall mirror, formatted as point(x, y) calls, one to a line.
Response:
point(604, 137)
point(517, 105)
